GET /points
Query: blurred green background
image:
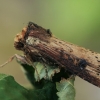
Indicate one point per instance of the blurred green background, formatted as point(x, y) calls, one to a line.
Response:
point(76, 21)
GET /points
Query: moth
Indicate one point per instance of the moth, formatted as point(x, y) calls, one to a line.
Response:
point(39, 45)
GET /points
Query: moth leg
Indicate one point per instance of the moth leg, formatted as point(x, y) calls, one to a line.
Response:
point(23, 60)
point(8, 61)
point(19, 58)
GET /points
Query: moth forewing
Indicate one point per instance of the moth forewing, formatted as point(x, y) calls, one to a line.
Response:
point(77, 60)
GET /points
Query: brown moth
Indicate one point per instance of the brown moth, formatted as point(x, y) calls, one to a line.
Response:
point(39, 45)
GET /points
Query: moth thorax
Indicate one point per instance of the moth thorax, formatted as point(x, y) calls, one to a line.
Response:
point(32, 41)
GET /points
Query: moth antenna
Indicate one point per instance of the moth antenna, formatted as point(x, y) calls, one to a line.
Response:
point(8, 61)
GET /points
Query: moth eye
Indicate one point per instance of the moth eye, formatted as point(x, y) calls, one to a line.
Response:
point(21, 44)
point(18, 45)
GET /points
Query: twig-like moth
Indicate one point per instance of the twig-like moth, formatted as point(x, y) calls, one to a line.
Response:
point(39, 45)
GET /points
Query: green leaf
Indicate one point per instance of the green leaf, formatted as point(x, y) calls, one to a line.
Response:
point(66, 90)
point(10, 90)
point(48, 92)
point(29, 72)
point(51, 70)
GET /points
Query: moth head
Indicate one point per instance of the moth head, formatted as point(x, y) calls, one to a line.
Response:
point(32, 30)
point(19, 39)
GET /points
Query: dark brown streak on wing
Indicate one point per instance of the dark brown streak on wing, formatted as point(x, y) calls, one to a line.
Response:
point(64, 60)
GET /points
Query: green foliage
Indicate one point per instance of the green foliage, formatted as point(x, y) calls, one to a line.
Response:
point(47, 92)
point(56, 84)
point(66, 89)
point(10, 90)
